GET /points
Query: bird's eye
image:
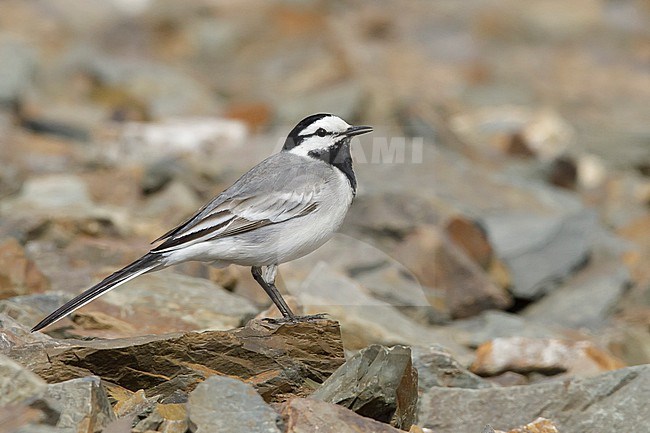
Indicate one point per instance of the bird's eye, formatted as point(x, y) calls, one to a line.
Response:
point(321, 132)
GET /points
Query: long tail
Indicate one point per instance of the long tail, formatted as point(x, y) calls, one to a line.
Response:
point(145, 264)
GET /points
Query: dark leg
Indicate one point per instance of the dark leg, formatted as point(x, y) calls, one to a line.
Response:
point(268, 285)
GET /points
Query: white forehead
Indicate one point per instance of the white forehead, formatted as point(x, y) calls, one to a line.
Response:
point(329, 124)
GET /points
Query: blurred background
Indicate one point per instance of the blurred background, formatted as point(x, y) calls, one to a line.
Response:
point(505, 192)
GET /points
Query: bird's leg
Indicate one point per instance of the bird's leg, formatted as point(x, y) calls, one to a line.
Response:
point(266, 279)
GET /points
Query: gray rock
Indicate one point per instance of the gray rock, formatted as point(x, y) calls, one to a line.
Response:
point(17, 383)
point(437, 367)
point(83, 402)
point(364, 319)
point(541, 251)
point(494, 324)
point(585, 302)
point(17, 67)
point(379, 383)
point(200, 302)
point(308, 415)
point(30, 309)
point(224, 404)
point(614, 401)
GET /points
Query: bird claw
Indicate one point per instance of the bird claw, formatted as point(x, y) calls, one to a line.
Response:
point(295, 319)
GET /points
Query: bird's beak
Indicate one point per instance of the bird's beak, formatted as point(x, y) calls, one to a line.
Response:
point(357, 130)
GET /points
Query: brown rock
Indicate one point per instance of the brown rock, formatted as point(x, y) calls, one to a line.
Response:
point(440, 264)
point(18, 274)
point(471, 238)
point(540, 425)
point(305, 415)
point(543, 355)
point(276, 359)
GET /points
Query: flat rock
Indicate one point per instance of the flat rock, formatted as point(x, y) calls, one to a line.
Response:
point(494, 324)
point(224, 404)
point(546, 356)
point(584, 302)
point(541, 250)
point(198, 302)
point(307, 415)
point(276, 359)
point(611, 402)
point(437, 367)
point(83, 404)
point(379, 383)
point(364, 319)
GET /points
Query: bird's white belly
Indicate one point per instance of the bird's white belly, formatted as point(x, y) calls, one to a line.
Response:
point(280, 242)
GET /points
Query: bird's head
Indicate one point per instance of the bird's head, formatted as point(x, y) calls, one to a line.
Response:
point(321, 134)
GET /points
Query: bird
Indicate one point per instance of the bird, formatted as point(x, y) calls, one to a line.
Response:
point(283, 208)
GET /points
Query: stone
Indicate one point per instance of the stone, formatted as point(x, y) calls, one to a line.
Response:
point(18, 66)
point(30, 309)
point(168, 418)
point(540, 425)
point(14, 334)
point(175, 297)
point(586, 301)
point(18, 274)
point(494, 324)
point(539, 250)
point(83, 403)
point(364, 319)
point(471, 237)
point(546, 356)
point(278, 359)
point(437, 367)
point(379, 383)
point(228, 405)
point(17, 383)
point(439, 263)
point(307, 415)
point(612, 401)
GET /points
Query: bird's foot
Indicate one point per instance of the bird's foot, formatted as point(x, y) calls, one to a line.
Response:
point(295, 319)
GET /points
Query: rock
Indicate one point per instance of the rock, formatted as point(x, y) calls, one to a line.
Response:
point(83, 402)
point(494, 324)
point(547, 356)
point(387, 215)
point(17, 67)
point(167, 418)
point(586, 301)
point(174, 298)
point(613, 401)
point(13, 334)
point(278, 360)
point(379, 383)
point(307, 415)
point(133, 404)
point(378, 274)
point(516, 129)
point(437, 367)
point(440, 264)
point(175, 137)
point(30, 309)
point(18, 274)
point(471, 237)
point(365, 320)
point(540, 425)
point(37, 416)
point(541, 250)
point(224, 404)
point(17, 383)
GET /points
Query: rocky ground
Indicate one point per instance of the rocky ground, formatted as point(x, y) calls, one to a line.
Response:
point(493, 273)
